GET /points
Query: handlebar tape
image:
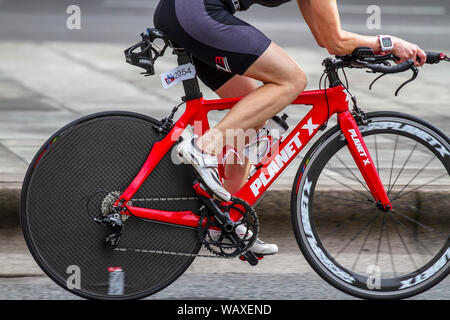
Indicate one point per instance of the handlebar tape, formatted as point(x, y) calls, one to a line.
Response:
point(391, 69)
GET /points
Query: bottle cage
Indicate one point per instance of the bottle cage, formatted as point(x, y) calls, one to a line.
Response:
point(145, 58)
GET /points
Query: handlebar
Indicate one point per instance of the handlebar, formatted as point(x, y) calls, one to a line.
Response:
point(364, 57)
point(436, 57)
point(402, 67)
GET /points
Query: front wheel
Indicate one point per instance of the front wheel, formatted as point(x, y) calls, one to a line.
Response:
point(347, 240)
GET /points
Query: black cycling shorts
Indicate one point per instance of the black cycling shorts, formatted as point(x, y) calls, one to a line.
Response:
point(221, 44)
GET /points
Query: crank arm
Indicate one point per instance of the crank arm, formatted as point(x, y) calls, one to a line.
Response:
point(220, 217)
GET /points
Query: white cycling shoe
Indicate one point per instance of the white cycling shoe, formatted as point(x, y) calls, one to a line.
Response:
point(205, 164)
point(258, 247)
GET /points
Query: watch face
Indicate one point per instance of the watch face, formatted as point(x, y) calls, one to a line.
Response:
point(387, 42)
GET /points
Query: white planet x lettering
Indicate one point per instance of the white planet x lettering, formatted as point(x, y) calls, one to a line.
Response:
point(427, 273)
point(359, 146)
point(310, 126)
point(277, 164)
point(410, 129)
point(304, 208)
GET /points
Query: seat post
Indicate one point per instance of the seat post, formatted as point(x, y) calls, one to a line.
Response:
point(191, 86)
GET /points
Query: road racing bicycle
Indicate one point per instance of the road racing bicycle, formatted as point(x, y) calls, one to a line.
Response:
point(108, 213)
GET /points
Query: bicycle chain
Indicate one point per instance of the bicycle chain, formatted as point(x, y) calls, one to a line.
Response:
point(164, 199)
point(173, 253)
point(152, 251)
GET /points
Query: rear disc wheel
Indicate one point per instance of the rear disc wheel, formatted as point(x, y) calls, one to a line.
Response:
point(65, 188)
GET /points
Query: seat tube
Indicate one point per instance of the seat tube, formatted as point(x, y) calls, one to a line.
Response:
point(361, 155)
point(191, 86)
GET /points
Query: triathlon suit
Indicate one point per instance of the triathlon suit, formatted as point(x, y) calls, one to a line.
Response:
point(221, 44)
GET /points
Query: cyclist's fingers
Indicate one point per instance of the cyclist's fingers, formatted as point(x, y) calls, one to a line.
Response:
point(422, 57)
point(400, 59)
point(414, 56)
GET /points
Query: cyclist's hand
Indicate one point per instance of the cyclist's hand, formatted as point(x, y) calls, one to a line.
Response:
point(405, 50)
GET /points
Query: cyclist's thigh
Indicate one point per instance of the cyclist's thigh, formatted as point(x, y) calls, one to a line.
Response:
point(211, 76)
point(213, 35)
point(276, 66)
point(238, 86)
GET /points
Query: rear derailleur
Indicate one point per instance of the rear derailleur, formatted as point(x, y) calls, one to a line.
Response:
point(113, 218)
point(115, 223)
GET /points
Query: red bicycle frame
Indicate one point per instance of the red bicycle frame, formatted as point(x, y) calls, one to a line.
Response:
point(324, 105)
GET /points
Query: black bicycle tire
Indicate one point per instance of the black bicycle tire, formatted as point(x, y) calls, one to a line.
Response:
point(429, 283)
point(25, 222)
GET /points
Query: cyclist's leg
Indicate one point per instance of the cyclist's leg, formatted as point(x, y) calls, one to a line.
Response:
point(231, 46)
point(227, 85)
point(236, 173)
point(281, 86)
point(283, 81)
point(238, 86)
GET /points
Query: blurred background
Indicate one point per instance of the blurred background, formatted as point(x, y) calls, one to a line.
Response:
point(51, 74)
point(118, 21)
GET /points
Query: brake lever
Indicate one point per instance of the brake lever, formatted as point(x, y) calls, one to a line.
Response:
point(415, 71)
point(376, 79)
point(379, 77)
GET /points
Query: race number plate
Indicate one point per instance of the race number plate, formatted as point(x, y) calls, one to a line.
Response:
point(175, 76)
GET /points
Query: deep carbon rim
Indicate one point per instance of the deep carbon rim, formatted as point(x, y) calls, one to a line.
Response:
point(144, 275)
point(335, 273)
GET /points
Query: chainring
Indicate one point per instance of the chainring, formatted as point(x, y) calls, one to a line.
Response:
point(218, 241)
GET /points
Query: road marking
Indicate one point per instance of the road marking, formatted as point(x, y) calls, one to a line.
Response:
point(128, 4)
point(396, 10)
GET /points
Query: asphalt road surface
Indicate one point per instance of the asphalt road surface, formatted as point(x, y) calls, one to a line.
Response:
point(230, 286)
point(285, 276)
point(225, 285)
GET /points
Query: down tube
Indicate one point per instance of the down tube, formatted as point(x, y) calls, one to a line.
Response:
point(286, 153)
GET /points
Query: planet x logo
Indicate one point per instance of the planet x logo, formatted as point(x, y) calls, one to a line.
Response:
point(359, 146)
point(277, 164)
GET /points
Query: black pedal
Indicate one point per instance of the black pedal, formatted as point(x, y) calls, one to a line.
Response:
point(251, 258)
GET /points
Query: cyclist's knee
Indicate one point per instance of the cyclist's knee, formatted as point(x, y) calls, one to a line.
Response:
point(294, 81)
point(299, 81)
